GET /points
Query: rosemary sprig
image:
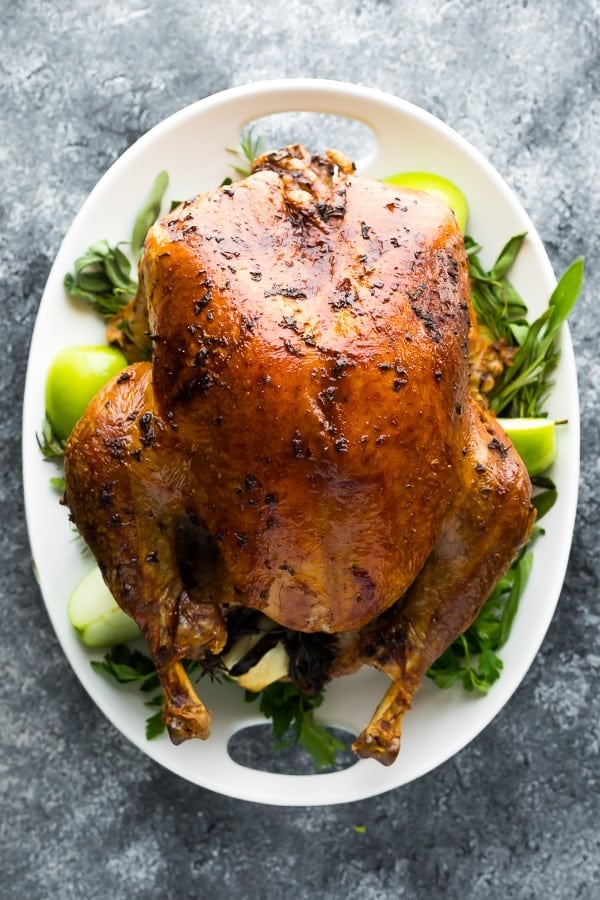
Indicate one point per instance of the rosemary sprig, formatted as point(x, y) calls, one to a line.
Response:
point(250, 147)
point(51, 447)
point(524, 385)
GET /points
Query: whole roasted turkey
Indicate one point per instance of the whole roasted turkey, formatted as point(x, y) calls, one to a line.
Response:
point(301, 445)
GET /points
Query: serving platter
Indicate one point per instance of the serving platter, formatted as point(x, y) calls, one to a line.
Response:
point(192, 146)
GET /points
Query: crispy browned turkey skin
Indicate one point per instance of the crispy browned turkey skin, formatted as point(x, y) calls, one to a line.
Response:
point(306, 409)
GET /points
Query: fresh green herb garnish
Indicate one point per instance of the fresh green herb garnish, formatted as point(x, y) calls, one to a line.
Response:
point(545, 496)
point(149, 213)
point(102, 276)
point(498, 306)
point(292, 716)
point(51, 447)
point(128, 666)
point(525, 383)
point(154, 723)
point(523, 386)
point(250, 147)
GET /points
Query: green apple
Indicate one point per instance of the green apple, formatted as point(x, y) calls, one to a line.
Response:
point(436, 184)
point(75, 375)
point(95, 614)
point(534, 441)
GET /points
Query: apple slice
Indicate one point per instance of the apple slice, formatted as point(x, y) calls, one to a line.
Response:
point(96, 616)
point(534, 441)
point(442, 187)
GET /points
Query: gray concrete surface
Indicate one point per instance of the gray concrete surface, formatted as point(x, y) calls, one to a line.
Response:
point(84, 814)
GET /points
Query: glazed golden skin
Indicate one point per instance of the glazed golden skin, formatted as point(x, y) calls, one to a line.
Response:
point(306, 408)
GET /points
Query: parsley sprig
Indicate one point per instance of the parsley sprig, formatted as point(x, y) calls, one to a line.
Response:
point(292, 716)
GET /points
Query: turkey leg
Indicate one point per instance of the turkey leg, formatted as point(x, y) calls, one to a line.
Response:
point(492, 521)
point(127, 490)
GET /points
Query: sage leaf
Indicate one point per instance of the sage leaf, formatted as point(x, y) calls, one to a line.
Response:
point(149, 213)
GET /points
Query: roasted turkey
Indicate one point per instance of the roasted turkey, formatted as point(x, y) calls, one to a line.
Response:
point(300, 444)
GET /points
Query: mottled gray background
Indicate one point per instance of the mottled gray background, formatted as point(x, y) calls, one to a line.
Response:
point(84, 814)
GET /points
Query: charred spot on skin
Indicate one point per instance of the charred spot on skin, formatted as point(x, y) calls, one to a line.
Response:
point(116, 447)
point(452, 267)
point(341, 445)
point(123, 377)
point(241, 540)
point(147, 433)
point(480, 468)
point(248, 322)
point(152, 557)
point(401, 379)
point(340, 366)
point(291, 348)
point(289, 322)
point(496, 446)
point(280, 290)
point(345, 296)
point(297, 445)
point(203, 302)
point(106, 495)
point(327, 397)
point(251, 483)
point(336, 210)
